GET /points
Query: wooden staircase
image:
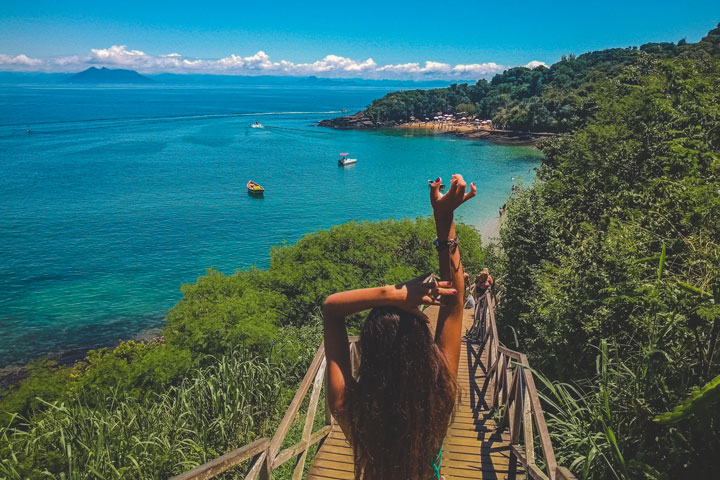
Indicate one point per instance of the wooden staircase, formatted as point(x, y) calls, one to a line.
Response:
point(495, 382)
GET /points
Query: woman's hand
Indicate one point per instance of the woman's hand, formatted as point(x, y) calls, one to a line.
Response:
point(445, 205)
point(411, 294)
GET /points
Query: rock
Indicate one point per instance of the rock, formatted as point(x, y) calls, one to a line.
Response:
point(357, 121)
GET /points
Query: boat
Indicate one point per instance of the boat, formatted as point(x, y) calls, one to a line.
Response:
point(258, 125)
point(254, 188)
point(344, 160)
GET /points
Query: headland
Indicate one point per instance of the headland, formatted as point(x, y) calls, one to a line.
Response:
point(470, 128)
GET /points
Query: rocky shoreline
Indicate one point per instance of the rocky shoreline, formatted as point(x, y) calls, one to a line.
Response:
point(360, 121)
point(14, 374)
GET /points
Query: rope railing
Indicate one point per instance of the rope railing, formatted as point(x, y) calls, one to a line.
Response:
point(514, 391)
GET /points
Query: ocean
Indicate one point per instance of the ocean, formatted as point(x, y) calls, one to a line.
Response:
point(112, 197)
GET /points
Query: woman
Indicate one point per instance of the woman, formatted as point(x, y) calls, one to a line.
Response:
point(396, 414)
point(483, 282)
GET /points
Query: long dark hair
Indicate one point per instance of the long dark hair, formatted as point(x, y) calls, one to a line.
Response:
point(400, 408)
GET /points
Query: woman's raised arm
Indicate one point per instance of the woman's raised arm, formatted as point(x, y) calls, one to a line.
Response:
point(449, 327)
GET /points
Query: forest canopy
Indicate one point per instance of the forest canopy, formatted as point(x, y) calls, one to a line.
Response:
point(556, 99)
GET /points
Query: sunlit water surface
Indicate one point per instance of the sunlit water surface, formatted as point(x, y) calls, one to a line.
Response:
point(134, 191)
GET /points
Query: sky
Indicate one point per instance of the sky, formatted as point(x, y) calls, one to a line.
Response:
point(361, 39)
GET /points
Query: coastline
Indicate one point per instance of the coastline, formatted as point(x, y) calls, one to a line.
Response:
point(13, 374)
point(471, 132)
point(458, 129)
point(490, 230)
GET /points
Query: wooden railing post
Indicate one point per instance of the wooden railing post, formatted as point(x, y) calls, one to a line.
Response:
point(516, 420)
point(264, 471)
point(292, 410)
point(528, 426)
point(309, 420)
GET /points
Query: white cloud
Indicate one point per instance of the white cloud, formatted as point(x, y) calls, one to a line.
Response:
point(119, 56)
point(479, 69)
point(18, 61)
point(535, 63)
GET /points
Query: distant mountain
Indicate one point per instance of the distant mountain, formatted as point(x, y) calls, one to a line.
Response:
point(107, 75)
point(209, 79)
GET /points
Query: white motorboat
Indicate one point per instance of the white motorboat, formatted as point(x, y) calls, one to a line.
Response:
point(344, 160)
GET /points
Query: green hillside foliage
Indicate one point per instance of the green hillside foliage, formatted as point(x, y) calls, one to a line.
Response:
point(234, 350)
point(611, 269)
point(559, 98)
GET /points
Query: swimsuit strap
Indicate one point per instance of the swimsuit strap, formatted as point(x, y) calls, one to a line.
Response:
point(437, 464)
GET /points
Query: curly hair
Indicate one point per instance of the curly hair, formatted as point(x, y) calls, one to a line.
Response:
point(400, 408)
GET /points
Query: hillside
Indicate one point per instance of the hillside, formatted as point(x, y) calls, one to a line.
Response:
point(544, 99)
point(107, 75)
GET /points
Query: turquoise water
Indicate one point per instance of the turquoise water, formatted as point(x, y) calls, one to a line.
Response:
point(117, 196)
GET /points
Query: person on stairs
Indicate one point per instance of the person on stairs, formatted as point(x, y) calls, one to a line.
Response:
point(396, 413)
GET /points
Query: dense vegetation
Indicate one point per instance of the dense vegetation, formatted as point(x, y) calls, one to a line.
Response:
point(611, 269)
point(235, 348)
point(555, 99)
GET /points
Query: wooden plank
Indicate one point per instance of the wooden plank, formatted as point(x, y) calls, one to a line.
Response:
point(329, 464)
point(337, 450)
point(323, 472)
point(476, 471)
point(227, 461)
point(337, 458)
point(474, 450)
point(493, 458)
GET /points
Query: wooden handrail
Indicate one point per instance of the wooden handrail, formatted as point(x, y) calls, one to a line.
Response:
point(266, 452)
point(227, 461)
point(513, 387)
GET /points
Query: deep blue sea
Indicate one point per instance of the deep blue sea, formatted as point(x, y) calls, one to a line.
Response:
point(118, 195)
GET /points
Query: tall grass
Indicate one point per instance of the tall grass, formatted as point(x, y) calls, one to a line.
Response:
point(583, 421)
point(220, 407)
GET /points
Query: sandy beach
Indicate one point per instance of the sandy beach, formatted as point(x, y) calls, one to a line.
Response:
point(490, 230)
point(476, 132)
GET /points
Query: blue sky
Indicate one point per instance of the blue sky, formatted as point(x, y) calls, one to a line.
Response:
point(486, 36)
